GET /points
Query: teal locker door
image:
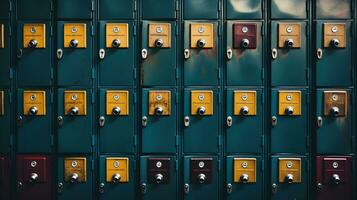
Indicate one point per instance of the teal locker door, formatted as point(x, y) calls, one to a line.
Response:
point(243, 9)
point(334, 121)
point(5, 9)
point(74, 122)
point(5, 122)
point(74, 55)
point(201, 9)
point(201, 178)
point(34, 120)
point(34, 10)
point(291, 9)
point(201, 120)
point(280, 186)
point(82, 188)
point(244, 177)
point(334, 54)
point(5, 53)
point(117, 9)
point(110, 168)
point(34, 53)
point(159, 9)
point(117, 129)
point(116, 53)
point(158, 53)
point(244, 64)
point(152, 168)
point(289, 53)
point(289, 132)
point(333, 9)
point(244, 121)
point(159, 120)
point(201, 63)
point(79, 9)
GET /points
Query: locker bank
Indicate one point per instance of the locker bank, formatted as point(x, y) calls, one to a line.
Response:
point(178, 99)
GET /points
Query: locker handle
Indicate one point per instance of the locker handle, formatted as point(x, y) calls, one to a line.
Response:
point(229, 53)
point(59, 54)
point(274, 120)
point(60, 121)
point(187, 53)
point(186, 188)
point(101, 54)
point(274, 53)
point(274, 188)
point(19, 120)
point(187, 121)
point(319, 121)
point(319, 187)
point(19, 186)
point(143, 188)
point(60, 187)
point(229, 188)
point(101, 188)
point(19, 53)
point(229, 121)
point(144, 121)
point(319, 53)
point(144, 54)
point(101, 121)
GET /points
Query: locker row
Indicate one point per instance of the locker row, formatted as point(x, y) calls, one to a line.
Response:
point(203, 177)
point(118, 120)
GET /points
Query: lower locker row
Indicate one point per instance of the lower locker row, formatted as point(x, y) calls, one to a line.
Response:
point(159, 177)
point(118, 109)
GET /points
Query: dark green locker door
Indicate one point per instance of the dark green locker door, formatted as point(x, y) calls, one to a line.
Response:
point(289, 63)
point(158, 53)
point(117, 62)
point(159, 120)
point(34, 53)
point(116, 120)
point(289, 177)
point(5, 9)
point(74, 53)
point(334, 121)
point(34, 10)
point(244, 177)
point(34, 120)
point(201, 177)
point(117, 9)
point(5, 53)
point(158, 177)
point(79, 9)
point(74, 120)
point(201, 9)
point(159, 9)
point(333, 54)
point(5, 122)
point(289, 9)
point(334, 9)
point(243, 9)
point(244, 120)
point(244, 63)
point(201, 111)
point(110, 168)
point(289, 121)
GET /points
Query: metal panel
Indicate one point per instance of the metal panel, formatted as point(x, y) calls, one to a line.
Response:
point(158, 177)
point(289, 54)
point(289, 130)
point(159, 120)
point(76, 189)
point(79, 9)
point(201, 177)
point(74, 65)
point(112, 166)
point(244, 63)
point(291, 9)
point(334, 130)
point(34, 120)
point(158, 66)
point(201, 45)
point(246, 187)
point(34, 177)
point(334, 177)
point(201, 122)
point(116, 64)
point(5, 123)
point(243, 9)
point(116, 9)
point(334, 53)
point(159, 9)
point(74, 131)
point(201, 9)
point(4, 53)
point(282, 189)
point(117, 131)
point(244, 129)
point(333, 9)
point(34, 54)
point(35, 10)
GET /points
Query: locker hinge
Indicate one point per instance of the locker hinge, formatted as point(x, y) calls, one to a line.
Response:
point(177, 73)
point(176, 98)
point(93, 73)
point(93, 97)
point(219, 141)
point(134, 29)
point(307, 98)
point(262, 30)
point(135, 140)
point(93, 140)
point(176, 165)
point(10, 6)
point(134, 97)
point(307, 74)
point(219, 73)
point(51, 5)
point(134, 73)
point(177, 5)
point(219, 165)
point(93, 6)
point(263, 98)
point(219, 98)
point(134, 161)
point(262, 140)
point(177, 140)
point(11, 140)
point(135, 6)
point(176, 30)
point(52, 97)
point(10, 97)
point(262, 73)
point(219, 30)
point(92, 31)
point(11, 73)
point(10, 30)
point(51, 30)
point(92, 163)
point(262, 168)
point(52, 140)
point(51, 73)
point(263, 7)
point(219, 6)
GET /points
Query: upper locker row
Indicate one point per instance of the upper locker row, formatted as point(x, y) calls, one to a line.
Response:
point(243, 48)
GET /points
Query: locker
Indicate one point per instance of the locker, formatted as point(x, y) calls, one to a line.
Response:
point(117, 9)
point(5, 60)
point(333, 9)
point(81, 9)
point(291, 9)
point(243, 9)
point(159, 9)
point(38, 10)
point(201, 9)
point(5, 121)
